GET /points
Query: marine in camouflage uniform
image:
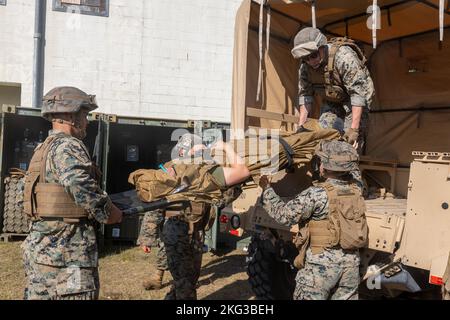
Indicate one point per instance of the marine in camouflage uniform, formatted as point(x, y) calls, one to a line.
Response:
point(353, 79)
point(184, 241)
point(184, 257)
point(333, 273)
point(150, 236)
point(60, 254)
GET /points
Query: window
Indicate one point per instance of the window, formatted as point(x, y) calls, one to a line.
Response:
point(91, 7)
point(2, 2)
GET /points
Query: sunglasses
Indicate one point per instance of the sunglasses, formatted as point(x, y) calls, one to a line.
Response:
point(313, 55)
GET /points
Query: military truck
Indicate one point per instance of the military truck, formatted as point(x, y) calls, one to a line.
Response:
point(406, 161)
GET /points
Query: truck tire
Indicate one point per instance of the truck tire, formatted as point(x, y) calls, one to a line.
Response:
point(270, 278)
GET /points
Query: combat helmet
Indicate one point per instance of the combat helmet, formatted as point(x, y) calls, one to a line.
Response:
point(186, 142)
point(307, 41)
point(67, 100)
point(329, 120)
point(337, 156)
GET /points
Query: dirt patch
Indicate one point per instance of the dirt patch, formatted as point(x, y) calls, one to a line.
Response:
point(123, 268)
point(12, 276)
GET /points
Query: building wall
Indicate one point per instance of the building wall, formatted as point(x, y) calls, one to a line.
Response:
point(9, 94)
point(149, 58)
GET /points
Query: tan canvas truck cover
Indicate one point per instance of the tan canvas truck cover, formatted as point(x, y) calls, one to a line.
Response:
point(411, 108)
point(410, 68)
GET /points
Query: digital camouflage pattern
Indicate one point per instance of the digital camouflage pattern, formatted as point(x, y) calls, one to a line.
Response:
point(186, 142)
point(184, 257)
point(178, 252)
point(332, 274)
point(150, 236)
point(67, 100)
point(60, 246)
point(330, 120)
point(151, 228)
point(60, 283)
point(337, 156)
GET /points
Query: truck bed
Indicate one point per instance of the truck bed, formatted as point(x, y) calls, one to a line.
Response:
point(386, 206)
point(385, 219)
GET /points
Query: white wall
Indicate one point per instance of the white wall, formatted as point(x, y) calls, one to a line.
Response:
point(16, 45)
point(149, 58)
point(9, 94)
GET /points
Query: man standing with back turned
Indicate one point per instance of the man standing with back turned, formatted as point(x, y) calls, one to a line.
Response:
point(332, 224)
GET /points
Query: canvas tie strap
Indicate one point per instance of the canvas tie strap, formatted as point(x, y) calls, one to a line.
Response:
point(313, 13)
point(374, 23)
point(260, 47)
point(441, 20)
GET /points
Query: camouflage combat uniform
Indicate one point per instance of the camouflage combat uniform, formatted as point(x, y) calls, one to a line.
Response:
point(184, 258)
point(357, 84)
point(334, 273)
point(150, 236)
point(184, 249)
point(178, 251)
point(61, 259)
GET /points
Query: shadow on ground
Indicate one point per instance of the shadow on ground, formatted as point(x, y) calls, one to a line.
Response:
point(225, 267)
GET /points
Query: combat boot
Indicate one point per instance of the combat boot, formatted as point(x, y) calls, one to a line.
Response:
point(155, 281)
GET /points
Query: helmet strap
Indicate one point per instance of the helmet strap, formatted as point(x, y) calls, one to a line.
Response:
point(325, 55)
point(61, 121)
point(74, 124)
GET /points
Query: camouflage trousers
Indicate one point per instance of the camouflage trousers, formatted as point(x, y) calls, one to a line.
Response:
point(344, 111)
point(446, 283)
point(59, 283)
point(332, 274)
point(184, 258)
point(161, 257)
point(446, 291)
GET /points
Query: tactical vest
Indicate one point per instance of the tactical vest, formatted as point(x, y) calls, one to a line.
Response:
point(344, 227)
point(327, 78)
point(199, 216)
point(47, 200)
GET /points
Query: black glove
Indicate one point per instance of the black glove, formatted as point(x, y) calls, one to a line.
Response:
point(302, 129)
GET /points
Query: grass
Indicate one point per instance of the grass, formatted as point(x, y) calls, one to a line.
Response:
point(123, 268)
